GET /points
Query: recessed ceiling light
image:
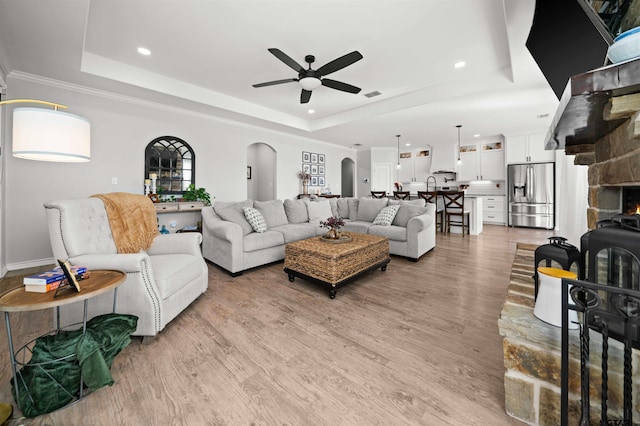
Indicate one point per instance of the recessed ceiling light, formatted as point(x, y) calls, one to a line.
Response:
point(311, 111)
point(407, 144)
point(144, 51)
point(476, 135)
point(459, 64)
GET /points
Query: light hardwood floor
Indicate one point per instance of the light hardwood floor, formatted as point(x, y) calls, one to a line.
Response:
point(415, 345)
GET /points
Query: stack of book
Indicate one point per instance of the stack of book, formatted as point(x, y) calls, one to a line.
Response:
point(51, 280)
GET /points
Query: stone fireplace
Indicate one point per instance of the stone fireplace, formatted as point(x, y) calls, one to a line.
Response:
point(598, 121)
point(614, 166)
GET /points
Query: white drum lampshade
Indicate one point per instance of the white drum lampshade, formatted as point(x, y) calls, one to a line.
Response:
point(50, 135)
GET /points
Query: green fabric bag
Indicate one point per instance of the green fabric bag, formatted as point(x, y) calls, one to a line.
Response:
point(51, 379)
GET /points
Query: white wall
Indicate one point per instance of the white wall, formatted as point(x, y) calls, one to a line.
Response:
point(120, 130)
point(571, 198)
point(363, 173)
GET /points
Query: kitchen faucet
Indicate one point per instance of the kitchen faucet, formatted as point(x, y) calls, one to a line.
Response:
point(434, 182)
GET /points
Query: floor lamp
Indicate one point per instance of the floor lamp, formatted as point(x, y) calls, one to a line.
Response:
point(49, 134)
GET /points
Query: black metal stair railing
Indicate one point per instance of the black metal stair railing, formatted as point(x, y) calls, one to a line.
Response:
point(614, 313)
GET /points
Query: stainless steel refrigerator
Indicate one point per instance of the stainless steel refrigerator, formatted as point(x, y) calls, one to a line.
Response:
point(532, 195)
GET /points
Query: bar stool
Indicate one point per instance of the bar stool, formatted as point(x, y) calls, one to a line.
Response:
point(557, 250)
point(378, 194)
point(401, 195)
point(432, 197)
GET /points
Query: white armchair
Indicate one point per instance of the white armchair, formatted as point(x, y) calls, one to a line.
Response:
point(160, 283)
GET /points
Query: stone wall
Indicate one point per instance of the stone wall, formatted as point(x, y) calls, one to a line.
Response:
point(532, 357)
point(614, 160)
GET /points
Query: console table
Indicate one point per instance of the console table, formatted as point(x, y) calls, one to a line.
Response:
point(19, 300)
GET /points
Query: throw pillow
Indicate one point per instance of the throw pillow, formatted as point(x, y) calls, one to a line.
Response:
point(233, 212)
point(406, 212)
point(368, 208)
point(353, 208)
point(319, 210)
point(272, 211)
point(343, 207)
point(296, 211)
point(255, 218)
point(386, 215)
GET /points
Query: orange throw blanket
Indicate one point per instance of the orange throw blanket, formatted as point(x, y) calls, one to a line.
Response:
point(133, 220)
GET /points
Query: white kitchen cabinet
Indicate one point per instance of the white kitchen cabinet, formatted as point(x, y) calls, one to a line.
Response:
point(415, 165)
point(483, 161)
point(493, 210)
point(528, 149)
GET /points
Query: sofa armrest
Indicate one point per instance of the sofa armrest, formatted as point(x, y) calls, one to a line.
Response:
point(421, 222)
point(186, 243)
point(125, 262)
point(222, 242)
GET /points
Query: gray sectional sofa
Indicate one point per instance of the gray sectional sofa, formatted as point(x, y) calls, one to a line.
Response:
point(230, 242)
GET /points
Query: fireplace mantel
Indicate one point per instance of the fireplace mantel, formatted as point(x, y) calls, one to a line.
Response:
point(583, 115)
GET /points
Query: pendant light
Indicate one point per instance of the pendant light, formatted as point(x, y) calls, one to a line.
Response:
point(398, 165)
point(459, 126)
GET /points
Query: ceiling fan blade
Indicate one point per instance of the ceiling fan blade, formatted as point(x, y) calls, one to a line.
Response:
point(271, 83)
point(341, 62)
point(305, 95)
point(286, 59)
point(338, 85)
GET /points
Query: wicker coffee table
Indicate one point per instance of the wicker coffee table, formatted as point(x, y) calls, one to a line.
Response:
point(334, 265)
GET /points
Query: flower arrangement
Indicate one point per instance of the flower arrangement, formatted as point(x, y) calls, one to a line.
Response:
point(303, 175)
point(398, 186)
point(332, 222)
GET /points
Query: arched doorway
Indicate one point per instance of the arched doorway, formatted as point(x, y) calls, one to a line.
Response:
point(261, 172)
point(348, 168)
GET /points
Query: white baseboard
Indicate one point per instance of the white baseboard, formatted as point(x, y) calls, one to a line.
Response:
point(29, 264)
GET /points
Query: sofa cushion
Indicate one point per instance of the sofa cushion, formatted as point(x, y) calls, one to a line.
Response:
point(343, 207)
point(406, 212)
point(318, 210)
point(296, 211)
point(233, 212)
point(296, 231)
point(395, 233)
point(255, 219)
point(173, 271)
point(368, 208)
point(333, 202)
point(273, 212)
point(356, 226)
point(353, 208)
point(386, 215)
point(417, 202)
point(268, 239)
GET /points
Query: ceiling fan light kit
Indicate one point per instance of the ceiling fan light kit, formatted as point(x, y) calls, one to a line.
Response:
point(310, 79)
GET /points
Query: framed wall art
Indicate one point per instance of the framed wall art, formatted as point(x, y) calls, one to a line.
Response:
point(306, 157)
point(321, 158)
point(314, 169)
point(314, 158)
point(314, 180)
point(320, 180)
point(306, 168)
point(321, 170)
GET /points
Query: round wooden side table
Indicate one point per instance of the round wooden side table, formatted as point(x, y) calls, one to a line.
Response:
point(19, 300)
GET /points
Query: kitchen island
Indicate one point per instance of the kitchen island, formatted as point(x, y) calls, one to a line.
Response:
point(474, 204)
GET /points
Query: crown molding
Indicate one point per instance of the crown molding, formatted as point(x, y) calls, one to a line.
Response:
point(46, 81)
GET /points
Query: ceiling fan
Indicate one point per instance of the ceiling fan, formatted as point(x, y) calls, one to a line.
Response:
point(310, 79)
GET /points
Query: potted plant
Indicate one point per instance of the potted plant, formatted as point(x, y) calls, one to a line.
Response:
point(199, 194)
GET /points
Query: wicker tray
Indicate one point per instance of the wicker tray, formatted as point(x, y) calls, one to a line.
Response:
point(342, 239)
